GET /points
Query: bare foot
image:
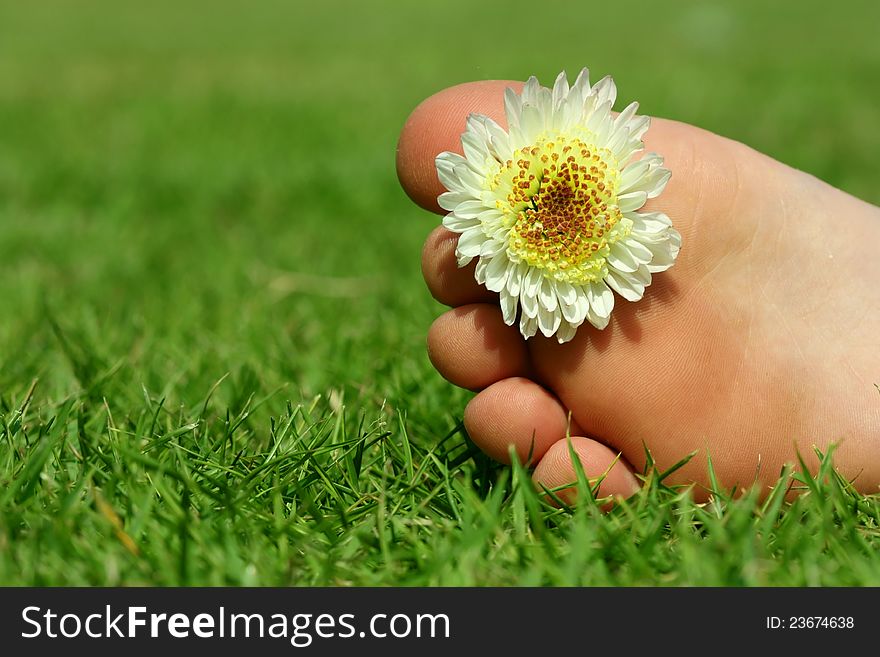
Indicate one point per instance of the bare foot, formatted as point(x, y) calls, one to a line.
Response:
point(761, 341)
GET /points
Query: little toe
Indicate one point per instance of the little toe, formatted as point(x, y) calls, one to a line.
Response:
point(516, 412)
point(472, 347)
point(450, 284)
point(556, 471)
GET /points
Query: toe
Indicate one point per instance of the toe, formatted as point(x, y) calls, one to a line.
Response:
point(449, 283)
point(556, 471)
point(472, 347)
point(516, 412)
point(436, 126)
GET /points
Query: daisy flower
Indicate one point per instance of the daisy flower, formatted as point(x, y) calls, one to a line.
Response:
point(550, 207)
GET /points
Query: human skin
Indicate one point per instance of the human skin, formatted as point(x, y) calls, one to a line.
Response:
point(760, 343)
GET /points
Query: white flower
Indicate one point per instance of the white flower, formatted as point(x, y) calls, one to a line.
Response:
point(550, 207)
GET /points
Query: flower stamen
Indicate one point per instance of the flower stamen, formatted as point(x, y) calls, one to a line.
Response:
point(563, 205)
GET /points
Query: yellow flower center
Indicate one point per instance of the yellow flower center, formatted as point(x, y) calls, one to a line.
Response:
point(561, 207)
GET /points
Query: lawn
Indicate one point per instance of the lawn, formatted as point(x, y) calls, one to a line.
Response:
point(212, 365)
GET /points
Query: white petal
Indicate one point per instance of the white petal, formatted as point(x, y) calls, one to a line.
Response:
point(470, 242)
point(512, 108)
point(617, 139)
point(655, 182)
point(490, 219)
point(665, 253)
point(600, 122)
point(566, 332)
point(568, 114)
point(663, 259)
point(480, 271)
point(605, 91)
point(475, 148)
point(577, 310)
point(491, 248)
point(517, 140)
point(580, 88)
point(631, 201)
point(601, 299)
point(651, 158)
point(647, 175)
point(566, 292)
point(597, 320)
point(530, 91)
point(649, 222)
point(642, 276)
point(496, 273)
point(449, 159)
point(528, 326)
point(646, 238)
point(675, 240)
point(548, 321)
point(531, 123)
point(624, 117)
point(515, 280)
point(446, 163)
point(469, 209)
point(632, 147)
point(588, 106)
point(560, 89)
point(508, 307)
point(583, 301)
point(621, 259)
point(561, 117)
point(449, 200)
point(458, 225)
point(499, 143)
point(570, 312)
point(639, 126)
point(529, 302)
point(532, 281)
point(475, 124)
point(628, 288)
point(547, 295)
point(638, 251)
point(469, 180)
point(631, 174)
point(545, 105)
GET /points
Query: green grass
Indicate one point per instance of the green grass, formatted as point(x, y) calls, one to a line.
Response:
point(212, 364)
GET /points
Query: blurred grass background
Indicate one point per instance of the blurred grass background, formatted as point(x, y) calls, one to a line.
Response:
point(173, 174)
point(190, 190)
